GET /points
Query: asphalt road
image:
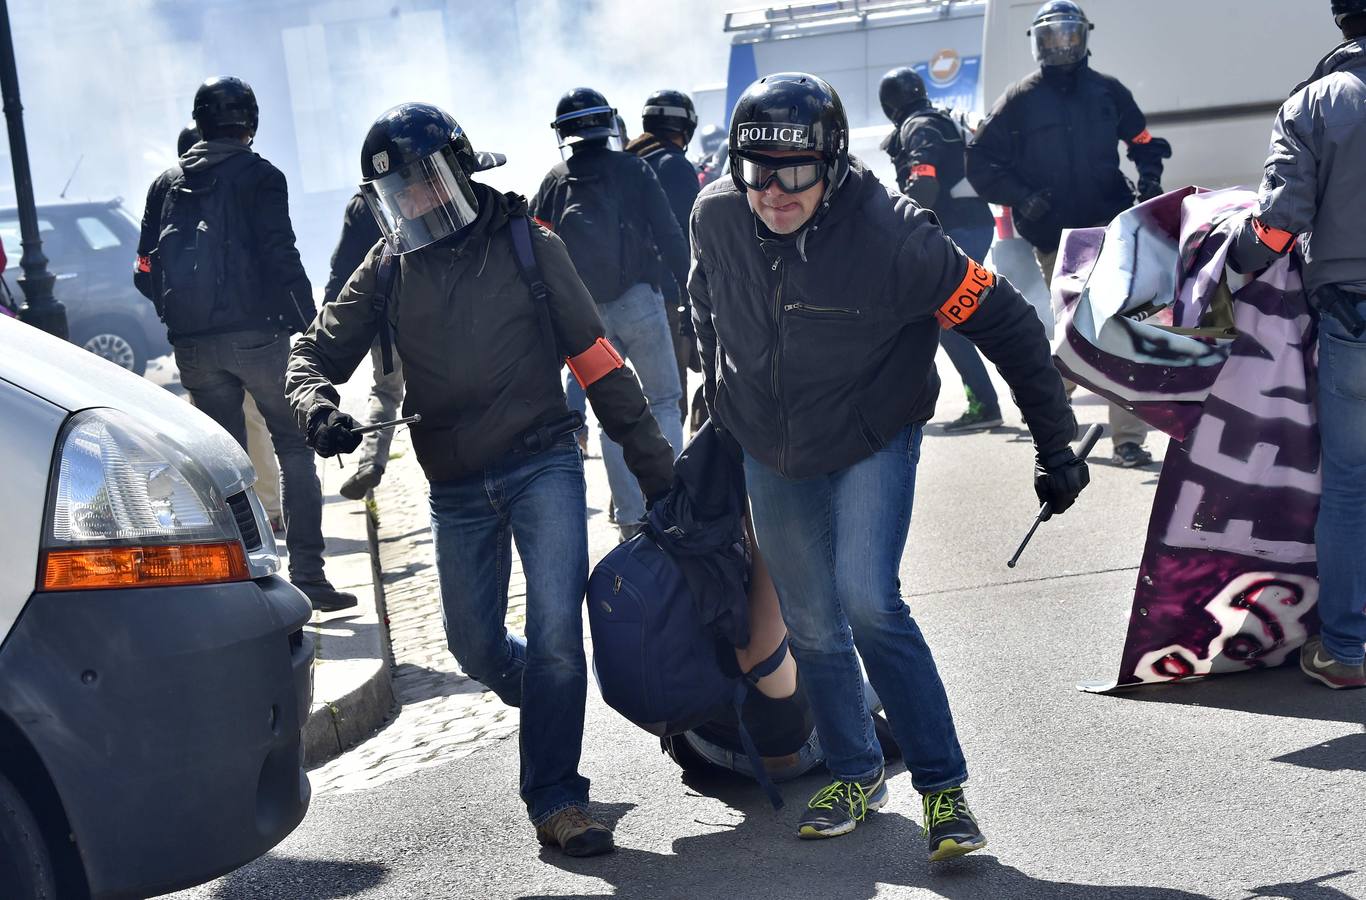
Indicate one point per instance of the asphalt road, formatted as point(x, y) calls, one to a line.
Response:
point(1246, 786)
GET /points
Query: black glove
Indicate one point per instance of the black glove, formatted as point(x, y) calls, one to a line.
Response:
point(1036, 205)
point(1058, 479)
point(685, 326)
point(1149, 186)
point(331, 431)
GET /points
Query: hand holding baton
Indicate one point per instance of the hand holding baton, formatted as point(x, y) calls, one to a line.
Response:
point(380, 426)
point(1082, 449)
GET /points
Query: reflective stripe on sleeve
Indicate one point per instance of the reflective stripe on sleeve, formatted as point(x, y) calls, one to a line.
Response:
point(594, 363)
point(967, 298)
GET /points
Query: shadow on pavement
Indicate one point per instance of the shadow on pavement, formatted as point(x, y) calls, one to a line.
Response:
point(1344, 754)
point(1283, 692)
point(1313, 889)
point(414, 684)
point(300, 879)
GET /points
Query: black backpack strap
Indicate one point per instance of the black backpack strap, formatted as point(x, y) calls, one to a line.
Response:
point(756, 762)
point(385, 277)
point(519, 227)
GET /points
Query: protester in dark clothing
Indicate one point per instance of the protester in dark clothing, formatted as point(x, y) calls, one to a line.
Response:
point(484, 308)
point(358, 235)
point(817, 297)
point(1049, 150)
point(1310, 201)
point(614, 218)
point(926, 149)
point(669, 121)
point(232, 336)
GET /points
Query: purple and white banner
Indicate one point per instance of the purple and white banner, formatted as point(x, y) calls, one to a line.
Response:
point(1223, 363)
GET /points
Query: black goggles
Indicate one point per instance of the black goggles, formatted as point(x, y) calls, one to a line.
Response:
point(794, 175)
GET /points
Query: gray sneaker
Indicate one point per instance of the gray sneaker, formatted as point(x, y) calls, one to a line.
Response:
point(365, 479)
point(1323, 668)
point(840, 806)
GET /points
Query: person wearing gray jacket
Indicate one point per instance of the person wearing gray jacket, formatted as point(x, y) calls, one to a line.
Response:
point(1310, 202)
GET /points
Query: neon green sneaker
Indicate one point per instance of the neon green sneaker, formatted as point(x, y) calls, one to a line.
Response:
point(838, 807)
point(950, 826)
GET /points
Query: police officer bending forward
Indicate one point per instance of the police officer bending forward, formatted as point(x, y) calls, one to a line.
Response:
point(482, 339)
point(817, 296)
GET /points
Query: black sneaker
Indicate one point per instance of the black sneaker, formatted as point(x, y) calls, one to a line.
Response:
point(365, 479)
point(838, 807)
point(324, 597)
point(975, 419)
point(575, 833)
point(1131, 456)
point(950, 826)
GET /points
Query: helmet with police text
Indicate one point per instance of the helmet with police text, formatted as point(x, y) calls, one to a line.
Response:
point(584, 114)
point(669, 112)
point(784, 112)
point(189, 136)
point(416, 162)
point(223, 104)
point(1344, 8)
point(901, 93)
point(1060, 33)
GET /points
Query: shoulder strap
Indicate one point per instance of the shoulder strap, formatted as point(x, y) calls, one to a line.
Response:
point(384, 288)
point(519, 228)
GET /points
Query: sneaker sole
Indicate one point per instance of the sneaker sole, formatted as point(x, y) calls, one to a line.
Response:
point(1132, 463)
point(812, 833)
point(950, 849)
point(986, 425)
point(1326, 682)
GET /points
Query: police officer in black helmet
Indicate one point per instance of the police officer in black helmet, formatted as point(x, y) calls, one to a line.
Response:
point(484, 309)
point(818, 295)
point(927, 150)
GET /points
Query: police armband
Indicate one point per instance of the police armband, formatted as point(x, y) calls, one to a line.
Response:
point(967, 298)
point(595, 363)
point(1274, 239)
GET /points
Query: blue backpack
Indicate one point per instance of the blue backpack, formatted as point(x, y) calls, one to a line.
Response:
point(656, 662)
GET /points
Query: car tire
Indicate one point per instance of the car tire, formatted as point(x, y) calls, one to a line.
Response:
point(116, 339)
point(25, 864)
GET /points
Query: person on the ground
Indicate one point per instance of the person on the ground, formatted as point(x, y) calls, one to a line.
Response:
point(1310, 202)
point(817, 296)
point(1049, 150)
point(614, 218)
point(484, 308)
point(359, 234)
point(669, 120)
point(217, 258)
point(927, 151)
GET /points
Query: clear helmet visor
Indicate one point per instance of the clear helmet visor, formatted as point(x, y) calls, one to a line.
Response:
point(588, 125)
point(422, 203)
point(1060, 43)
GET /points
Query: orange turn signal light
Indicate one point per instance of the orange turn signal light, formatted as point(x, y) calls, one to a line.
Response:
point(92, 568)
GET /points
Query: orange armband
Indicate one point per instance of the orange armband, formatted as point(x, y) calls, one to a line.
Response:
point(1143, 137)
point(924, 171)
point(1276, 240)
point(594, 363)
point(967, 298)
point(144, 263)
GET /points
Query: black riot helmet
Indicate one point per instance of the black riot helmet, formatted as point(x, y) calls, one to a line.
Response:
point(416, 162)
point(1344, 8)
point(669, 112)
point(1060, 33)
point(583, 114)
point(189, 136)
point(902, 92)
point(225, 104)
point(789, 111)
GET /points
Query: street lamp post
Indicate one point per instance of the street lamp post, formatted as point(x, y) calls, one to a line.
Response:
point(43, 311)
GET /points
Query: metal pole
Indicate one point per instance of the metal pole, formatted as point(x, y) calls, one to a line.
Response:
point(43, 311)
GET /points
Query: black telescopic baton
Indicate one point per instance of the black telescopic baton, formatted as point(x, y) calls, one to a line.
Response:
point(380, 426)
point(1083, 449)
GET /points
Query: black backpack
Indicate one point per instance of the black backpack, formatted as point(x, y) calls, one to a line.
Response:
point(593, 230)
point(203, 271)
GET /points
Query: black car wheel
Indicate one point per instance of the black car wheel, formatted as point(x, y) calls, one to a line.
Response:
point(117, 340)
point(25, 866)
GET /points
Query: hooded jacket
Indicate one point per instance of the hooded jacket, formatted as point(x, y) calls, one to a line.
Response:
point(473, 345)
point(278, 294)
point(817, 350)
point(678, 177)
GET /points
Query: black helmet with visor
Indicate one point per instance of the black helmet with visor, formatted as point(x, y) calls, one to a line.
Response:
point(416, 162)
point(223, 104)
point(1344, 8)
point(584, 114)
point(1060, 33)
point(790, 111)
point(669, 112)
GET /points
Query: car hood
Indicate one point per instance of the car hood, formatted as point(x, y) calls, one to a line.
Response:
point(73, 379)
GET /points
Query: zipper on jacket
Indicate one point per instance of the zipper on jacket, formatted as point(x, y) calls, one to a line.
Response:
point(777, 357)
point(833, 312)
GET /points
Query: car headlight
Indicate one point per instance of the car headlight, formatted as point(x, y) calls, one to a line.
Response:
point(129, 508)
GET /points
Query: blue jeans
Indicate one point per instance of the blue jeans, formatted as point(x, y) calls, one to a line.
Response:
point(639, 328)
point(216, 369)
point(538, 501)
point(975, 242)
point(1341, 528)
point(833, 545)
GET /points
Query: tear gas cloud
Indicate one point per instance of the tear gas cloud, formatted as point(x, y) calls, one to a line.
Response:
point(110, 83)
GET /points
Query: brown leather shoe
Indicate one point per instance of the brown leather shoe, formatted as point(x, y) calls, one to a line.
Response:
point(575, 833)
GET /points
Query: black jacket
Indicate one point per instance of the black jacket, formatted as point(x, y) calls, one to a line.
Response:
point(928, 153)
point(280, 296)
point(359, 233)
point(816, 352)
point(678, 177)
point(1060, 131)
point(473, 344)
point(641, 202)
